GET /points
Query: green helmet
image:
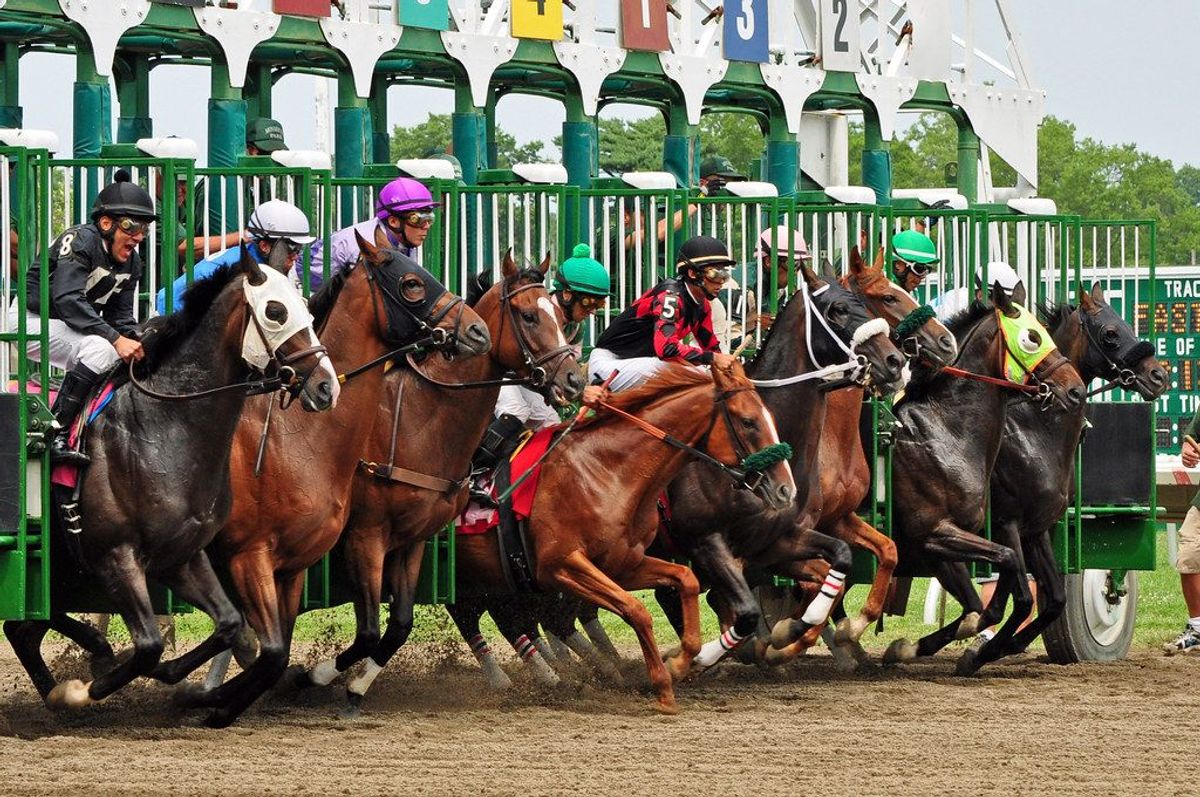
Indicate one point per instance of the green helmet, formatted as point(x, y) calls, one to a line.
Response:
point(914, 247)
point(582, 273)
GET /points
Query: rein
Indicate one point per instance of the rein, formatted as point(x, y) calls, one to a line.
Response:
point(857, 365)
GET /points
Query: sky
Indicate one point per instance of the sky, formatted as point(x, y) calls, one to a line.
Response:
point(1120, 71)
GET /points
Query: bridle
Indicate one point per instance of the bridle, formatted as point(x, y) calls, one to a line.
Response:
point(1122, 375)
point(537, 374)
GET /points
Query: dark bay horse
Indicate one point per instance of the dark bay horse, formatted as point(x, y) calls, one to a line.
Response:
point(288, 517)
point(595, 509)
point(158, 488)
point(949, 435)
point(429, 444)
point(721, 530)
point(1033, 478)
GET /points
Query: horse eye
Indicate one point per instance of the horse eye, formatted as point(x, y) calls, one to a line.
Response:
point(530, 318)
point(749, 423)
point(1110, 336)
point(276, 311)
point(412, 289)
point(889, 299)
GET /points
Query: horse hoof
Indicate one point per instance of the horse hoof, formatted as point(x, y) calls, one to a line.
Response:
point(294, 678)
point(900, 651)
point(350, 713)
point(497, 679)
point(671, 653)
point(968, 662)
point(69, 694)
point(668, 707)
point(969, 626)
point(783, 633)
point(219, 719)
point(678, 670)
point(843, 658)
point(850, 631)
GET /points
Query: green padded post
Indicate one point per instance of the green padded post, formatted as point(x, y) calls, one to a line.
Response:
point(11, 113)
point(968, 161)
point(680, 151)
point(351, 137)
point(876, 160)
point(226, 143)
point(782, 167)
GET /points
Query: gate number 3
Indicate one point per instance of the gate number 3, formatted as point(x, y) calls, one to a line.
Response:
point(745, 21)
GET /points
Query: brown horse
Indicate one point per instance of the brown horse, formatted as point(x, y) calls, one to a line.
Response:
point(397, 507)
point(595, 510)
point(290, 515)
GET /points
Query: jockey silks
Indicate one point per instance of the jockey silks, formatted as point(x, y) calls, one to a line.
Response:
point(657, 324)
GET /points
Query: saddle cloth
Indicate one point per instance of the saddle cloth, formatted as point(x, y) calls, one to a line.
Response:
point(477, 519)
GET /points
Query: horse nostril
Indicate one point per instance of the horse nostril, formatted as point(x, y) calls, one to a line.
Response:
point(1158, 376)
point(325, 390)
point(894, 362)
point(574, 381)
point(479, 333)
point(1076, 394)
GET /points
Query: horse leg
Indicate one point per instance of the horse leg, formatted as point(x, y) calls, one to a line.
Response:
point(520, 629)
point(653, 572)
point(857, 532)
point(576, 574)
point(672, 607)
point(197, 583)
point(589, 618)
point(1052, 592)
point(955, 578)
point(26, 637)
point(727, 586)
point(1012, 582)
point(559, 619)
point(403, 572)
point(465, 612)
point(125, 580)
point(365, 557)
point(792, 555)
point(88, 637)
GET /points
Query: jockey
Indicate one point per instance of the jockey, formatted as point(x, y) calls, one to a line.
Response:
point(93, 272)
point(404, 209)
point(953, 302)
point(913, 257)
point(652, 330)
point(278, 230)
point(581, 288)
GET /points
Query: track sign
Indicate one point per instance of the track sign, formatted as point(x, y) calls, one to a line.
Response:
point(430, 14)
point(840, 36)
point(301, 8)
point(644, 25)
point(537, 19)
point(746, 31)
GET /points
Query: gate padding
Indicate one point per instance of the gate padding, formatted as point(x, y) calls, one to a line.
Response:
point(1121, 435)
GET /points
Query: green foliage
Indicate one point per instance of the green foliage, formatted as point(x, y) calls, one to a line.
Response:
point(733, 135)
point(434, 134)
point(632, 145)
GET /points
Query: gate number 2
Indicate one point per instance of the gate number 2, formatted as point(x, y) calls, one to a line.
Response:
point(840, 44)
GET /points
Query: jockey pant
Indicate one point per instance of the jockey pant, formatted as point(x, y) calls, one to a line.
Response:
point(68, 348)
point(633, 370)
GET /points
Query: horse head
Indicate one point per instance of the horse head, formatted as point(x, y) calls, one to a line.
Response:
point(1027, 352)
point(1111, 350)
point(746, 437)
point(527, 328)
point(842, 313)
point(920, 334)
point(279, 331)
point(416, 304)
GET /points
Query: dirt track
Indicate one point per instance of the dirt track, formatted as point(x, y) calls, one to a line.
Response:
point(1023, 728)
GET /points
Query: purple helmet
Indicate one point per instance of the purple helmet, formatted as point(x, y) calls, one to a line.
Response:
point(401, 195)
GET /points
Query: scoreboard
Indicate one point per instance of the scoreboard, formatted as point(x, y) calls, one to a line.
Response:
point(1174, 318)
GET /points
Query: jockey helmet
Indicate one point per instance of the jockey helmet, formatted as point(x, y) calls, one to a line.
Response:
point(702, 252)
point(582, 273)
point(997, 271)
point(401, 195)
point(914, 247)
point(124, 198)
point(781, 242)
point(279, 219)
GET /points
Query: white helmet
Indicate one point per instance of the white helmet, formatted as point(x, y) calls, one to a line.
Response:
point(997, 271)
point(279, 219)
point(782, 241)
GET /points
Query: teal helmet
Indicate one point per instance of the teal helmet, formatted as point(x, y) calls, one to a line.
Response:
point(914, 247)
point(582, 273)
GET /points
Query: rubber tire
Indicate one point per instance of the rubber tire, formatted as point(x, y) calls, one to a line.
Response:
point(1069, 640)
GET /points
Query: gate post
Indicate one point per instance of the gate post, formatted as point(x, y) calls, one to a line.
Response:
point(466, 133)
point(968, 160)
point(11, 114)
point(351, 135)
point(380, 150)
point(92, 118)
point(133, 95)
point(680, 157)
point(226, 143)
point(876, 159)
point(783, 155)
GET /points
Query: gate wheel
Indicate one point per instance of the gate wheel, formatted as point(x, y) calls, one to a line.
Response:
point(1095, 625)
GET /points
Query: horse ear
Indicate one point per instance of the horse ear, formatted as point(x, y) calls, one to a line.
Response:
point(544, 266)
point(856, 261)
point(381, 239)
point(375, 255)
point(509, 266)
point(1018, 293)
point(725, 372)
point(810, 277)
point(828, 272)
point(1097, 292)
point(249, 266)
point(878, 265)
point(1000, 297)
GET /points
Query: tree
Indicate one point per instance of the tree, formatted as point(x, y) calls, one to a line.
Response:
point(734, 135)
point(632, 145)
point(434, 135)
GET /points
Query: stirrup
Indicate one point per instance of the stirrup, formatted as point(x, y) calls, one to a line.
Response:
point(63, 454)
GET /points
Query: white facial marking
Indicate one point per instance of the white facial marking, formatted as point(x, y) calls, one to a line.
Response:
point(327, 364)
point(548, 308)
point(775, 439)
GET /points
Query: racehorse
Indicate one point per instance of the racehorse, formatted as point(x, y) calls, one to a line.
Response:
point(1033, 478)
point(158, 487)
point(594, 512)
point(291, 514)
point(397, 503)
point(720, 530)
point(949, 435)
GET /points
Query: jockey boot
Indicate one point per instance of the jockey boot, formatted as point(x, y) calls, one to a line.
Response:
point(77, 385)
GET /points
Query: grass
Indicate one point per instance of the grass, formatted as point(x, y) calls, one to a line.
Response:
point(1161, 613)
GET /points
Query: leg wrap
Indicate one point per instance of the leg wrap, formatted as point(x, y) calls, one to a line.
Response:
point(714, 651)
point(818, 611)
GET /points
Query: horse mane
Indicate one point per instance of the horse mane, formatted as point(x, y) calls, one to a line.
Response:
point(163, 335)
point(965, 319)
point(673, 377)
point(767, 338)
point(923, 377)
point(1053, 316)
point(483, 282)
point(321, 303)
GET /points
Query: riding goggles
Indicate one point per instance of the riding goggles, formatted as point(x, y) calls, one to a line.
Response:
point(716, 274)
point(291, 246)
point(418, 218)
point(132, 226)
point(920, 269)
point(591, 302)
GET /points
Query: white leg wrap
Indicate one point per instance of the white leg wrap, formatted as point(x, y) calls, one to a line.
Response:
point(362, 683)
point(479, 647)
point(580, 646)
point(818, 611)
point(596, 633)
point(714, 651)
point(324, 673)
point(543, 647)
point(217, 670)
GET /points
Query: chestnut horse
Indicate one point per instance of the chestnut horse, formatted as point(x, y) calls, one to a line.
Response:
point(158, 488)
point(1034, 474)
point(395, 508)
point(290, 515)
point(595, 511)
point(949, 434)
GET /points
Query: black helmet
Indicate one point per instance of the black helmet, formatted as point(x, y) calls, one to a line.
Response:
point(122, 198)
point(700, 253)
